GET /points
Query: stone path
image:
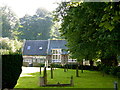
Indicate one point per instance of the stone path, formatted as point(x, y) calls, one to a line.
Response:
point(26, 70)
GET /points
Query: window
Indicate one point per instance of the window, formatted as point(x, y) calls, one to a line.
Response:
point(53, 51)
point(28, 48)
point(56, 51)
point(56, 56)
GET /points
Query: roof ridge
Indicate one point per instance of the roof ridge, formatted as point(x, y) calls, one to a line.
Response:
point(36, 40)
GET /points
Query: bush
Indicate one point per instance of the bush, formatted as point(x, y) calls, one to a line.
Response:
point(115, 70)
point(42, 65)
point(104, 68)
point(9, 46)
point(118, 74)
point(11, 70)
point(71, 66)
point(84, 67)
point(107, 69)
point(57, 65)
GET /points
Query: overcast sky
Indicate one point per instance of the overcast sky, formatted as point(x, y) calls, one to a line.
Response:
point(22, 7)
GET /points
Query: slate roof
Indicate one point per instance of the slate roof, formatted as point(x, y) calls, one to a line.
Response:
point(57, 44)
point(47, 46)
point(34, 47)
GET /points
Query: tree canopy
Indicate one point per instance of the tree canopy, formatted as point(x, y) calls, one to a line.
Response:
point(91, 29)
point(9, 22)
point(10, 46)
point(36, 27)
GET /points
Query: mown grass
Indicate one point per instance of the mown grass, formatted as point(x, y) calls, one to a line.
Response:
point(87, 79)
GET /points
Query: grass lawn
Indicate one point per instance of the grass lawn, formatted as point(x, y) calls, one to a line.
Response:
point(88, 79)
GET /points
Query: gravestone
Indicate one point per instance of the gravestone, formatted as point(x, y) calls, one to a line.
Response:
point(42, 83)
point(115, 85)
point(71, 81)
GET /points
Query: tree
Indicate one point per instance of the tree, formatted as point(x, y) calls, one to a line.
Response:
point(54, 32)
point(36, 27)
point(8, 46)
point(86, 37)
point(41, 12)
point(9, 22)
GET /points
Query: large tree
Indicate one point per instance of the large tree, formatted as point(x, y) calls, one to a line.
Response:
point(9, 22)
point(87, 28)
point(8, 46)
point(36, 27)
point(55, 32)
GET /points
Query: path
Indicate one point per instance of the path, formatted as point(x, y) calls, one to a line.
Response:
point(26, 70)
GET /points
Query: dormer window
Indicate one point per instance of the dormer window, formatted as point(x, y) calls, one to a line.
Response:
point(40, 48)
point(28, 48)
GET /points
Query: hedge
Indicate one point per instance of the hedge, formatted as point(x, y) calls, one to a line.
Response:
point(11, 70)
point(73, 66)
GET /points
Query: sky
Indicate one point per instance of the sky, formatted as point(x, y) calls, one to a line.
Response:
point(22, 7)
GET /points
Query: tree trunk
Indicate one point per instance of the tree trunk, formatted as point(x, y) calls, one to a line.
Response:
point(45, 76)
point(115, 62)
point(40, 69)
point(51, 72)
point(67, 67)
point(77, 71)
point(91, 64)
point(64, 68)
point(70, 66)
point(82, 66)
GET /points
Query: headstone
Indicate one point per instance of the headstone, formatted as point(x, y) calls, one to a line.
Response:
point(58, 83)
point(115, 86)
point(42, 83)
point(71, 81)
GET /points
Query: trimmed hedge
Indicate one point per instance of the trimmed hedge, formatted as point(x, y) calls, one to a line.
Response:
point(84, 67)
point(73, 66)
point(42, 65)
point(11, 70)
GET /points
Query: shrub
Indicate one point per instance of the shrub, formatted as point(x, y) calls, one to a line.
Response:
point(11, 70)
point(104, 68)
point(84, 67)
point(115, 70)
point(42, 65)
point(118, 74)
point(9, 46)
point(71, 66)
point(107, 69)
point(57, 65)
